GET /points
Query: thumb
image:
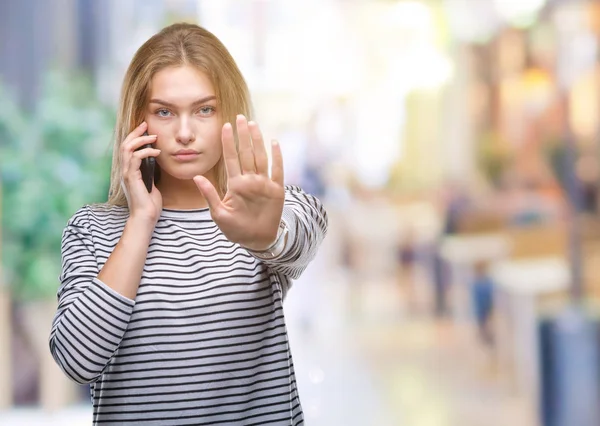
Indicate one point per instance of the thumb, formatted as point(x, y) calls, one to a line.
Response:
point(209, 192)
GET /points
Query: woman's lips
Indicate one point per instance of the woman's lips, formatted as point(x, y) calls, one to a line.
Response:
point(186, 155)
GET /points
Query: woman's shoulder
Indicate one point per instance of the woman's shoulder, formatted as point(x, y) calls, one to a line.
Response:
point(100, 213)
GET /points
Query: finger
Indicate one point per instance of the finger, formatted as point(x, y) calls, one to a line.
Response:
point(260, 153)
point(209, 192)
point(136, 158)
point(134, 145)
point(277, 166)
point(145, 153)
point(138, 131)
point(139, 142)
point(232, 163)
point(245, 146)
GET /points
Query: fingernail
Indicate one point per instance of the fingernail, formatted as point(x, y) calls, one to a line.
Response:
point(227, 125)
point(240, 117)
point(154, 136)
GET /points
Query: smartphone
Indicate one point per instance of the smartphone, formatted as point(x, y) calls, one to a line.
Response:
point(147, 167)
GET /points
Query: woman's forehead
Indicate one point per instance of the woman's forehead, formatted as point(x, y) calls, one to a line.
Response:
point(181, 84)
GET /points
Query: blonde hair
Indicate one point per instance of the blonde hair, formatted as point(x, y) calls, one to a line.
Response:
point(177, 45)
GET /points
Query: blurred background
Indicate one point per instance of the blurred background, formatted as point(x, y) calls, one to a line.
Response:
point(455, 144)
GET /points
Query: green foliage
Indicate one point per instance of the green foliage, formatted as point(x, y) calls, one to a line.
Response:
point(53, 160)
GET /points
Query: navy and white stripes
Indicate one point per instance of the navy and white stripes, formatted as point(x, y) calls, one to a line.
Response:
point(204, 341)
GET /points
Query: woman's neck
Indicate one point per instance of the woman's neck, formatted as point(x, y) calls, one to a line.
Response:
point(181, 194)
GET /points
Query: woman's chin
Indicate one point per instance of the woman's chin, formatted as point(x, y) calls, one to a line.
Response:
point(185, 173)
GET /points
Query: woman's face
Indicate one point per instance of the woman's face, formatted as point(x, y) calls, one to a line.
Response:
point(183, 113)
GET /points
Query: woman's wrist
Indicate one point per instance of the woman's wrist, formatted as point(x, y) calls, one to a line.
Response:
point(274, 249)
point(142, 220)
point(141, 227)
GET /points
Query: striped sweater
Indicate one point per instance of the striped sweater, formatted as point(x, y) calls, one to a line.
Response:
point(204, 341)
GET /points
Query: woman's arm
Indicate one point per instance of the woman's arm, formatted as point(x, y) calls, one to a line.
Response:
point(307, 222)
point(94, 308)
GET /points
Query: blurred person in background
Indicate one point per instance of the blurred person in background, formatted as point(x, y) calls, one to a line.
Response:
point(170, 302)
point(455, 204)
point(482, 294)
point(407, 259)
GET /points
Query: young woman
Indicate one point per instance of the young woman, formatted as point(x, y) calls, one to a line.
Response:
point(170, 302)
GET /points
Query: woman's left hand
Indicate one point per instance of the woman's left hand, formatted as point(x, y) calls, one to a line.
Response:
point(251, 210)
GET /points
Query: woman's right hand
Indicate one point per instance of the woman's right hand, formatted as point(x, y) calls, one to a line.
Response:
point(143, 205)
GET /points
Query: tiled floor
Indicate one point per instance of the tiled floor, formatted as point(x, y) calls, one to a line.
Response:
point(382, 366)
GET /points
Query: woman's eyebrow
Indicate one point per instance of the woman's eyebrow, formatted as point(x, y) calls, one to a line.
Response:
point(170, 105)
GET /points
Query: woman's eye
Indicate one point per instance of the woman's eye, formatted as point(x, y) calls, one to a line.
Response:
point(207, 110)
point(163, 112)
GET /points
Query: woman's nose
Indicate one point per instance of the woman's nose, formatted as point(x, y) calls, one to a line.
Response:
point(185, 133)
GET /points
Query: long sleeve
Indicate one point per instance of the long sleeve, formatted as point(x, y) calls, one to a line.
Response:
point(91, 318)
point(307, 222)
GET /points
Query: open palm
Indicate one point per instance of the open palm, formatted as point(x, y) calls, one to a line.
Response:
point(250, 212)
